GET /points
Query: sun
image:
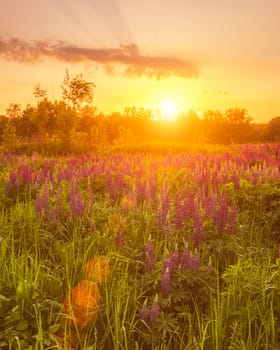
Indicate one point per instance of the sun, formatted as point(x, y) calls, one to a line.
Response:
point(168, 109)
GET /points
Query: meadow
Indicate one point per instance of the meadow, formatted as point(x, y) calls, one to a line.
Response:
point(141, 250)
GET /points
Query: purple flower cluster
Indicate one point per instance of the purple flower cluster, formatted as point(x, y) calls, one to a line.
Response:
point(151, 314)
point(149, 255)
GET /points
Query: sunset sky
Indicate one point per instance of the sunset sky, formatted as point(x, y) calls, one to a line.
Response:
point(200, 54)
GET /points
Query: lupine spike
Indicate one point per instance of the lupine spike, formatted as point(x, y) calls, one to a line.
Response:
point(165, 283)
point(155, 310)
point(144, 311)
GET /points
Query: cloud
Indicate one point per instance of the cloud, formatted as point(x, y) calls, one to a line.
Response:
point(127, 56)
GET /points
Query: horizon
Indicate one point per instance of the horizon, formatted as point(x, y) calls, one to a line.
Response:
point(197, 56)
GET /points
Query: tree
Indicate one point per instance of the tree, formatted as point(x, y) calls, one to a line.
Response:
point(77, 92)
point(9, 136)
point(39, 93)
point(238, 124)
point(14, 111)
point(273, 130)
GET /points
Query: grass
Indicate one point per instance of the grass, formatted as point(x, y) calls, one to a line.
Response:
point(232, 304)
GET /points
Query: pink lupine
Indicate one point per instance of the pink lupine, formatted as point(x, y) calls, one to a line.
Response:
point(155, 310)
point(150, 255)
point(165, 283)
point(185, 259)
point(77, 204)
point(144, 311)
point(195, 262)
point(197, 228)
point(175, 259)
point(179, 212)
point(232, 220)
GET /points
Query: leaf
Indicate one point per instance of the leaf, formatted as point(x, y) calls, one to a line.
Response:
point(3, 298)
point(22, 325)
point(54, 328)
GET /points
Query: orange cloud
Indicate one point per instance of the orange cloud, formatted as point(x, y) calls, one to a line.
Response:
point(127, 56)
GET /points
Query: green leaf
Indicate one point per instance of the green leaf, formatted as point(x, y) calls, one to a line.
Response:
point(22, 325)
point(54, 328)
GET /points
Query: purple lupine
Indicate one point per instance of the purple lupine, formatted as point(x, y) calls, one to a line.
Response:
point(174, 259)
point(42, 201)
point(26, 173)
point(197, 228)
point(165, 283)
point(223, 213)
point(77, 204)
point(13, 182)
point(38, 204)
point(120, 237)
point(179, 211)
point(185, 259)
point(149, 255)
point(195, 262)
point(120, 241)
point(167, 263)
point(190, 207)
point(144, 312)
point(154, 312)
point(45, 197)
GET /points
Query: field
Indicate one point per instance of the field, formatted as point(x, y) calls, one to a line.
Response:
point(139, 250)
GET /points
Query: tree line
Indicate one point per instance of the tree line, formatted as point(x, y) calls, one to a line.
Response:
point(73, 123)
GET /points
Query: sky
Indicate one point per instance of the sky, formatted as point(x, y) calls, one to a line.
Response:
point(200, 54)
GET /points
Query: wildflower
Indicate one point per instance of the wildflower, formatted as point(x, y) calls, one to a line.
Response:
point(150, 255)
point(185, 259)
point(195, 262)
point(165, 283)
point(81, 306)
point(154, 312)
point(97, 269)
point(77, 204)
point(197, 228)
point(175, 259)
point(144, 311)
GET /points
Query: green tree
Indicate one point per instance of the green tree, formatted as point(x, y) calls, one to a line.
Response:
point(9, 136)
point(14, 111)
point(76, 91)
point(273, 130)
point(39, 93)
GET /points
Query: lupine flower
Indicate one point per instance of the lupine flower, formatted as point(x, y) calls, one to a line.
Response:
point(77, 204)
point(195, 262)
point(154, 313)
point(185, 259)
point(232, 221)
point(179, 210)
point(165, 283)
point(197, 228)
point(81, 306)
point(144, 311)
point(175, 259)
point(150, 255)
point(97, 269)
